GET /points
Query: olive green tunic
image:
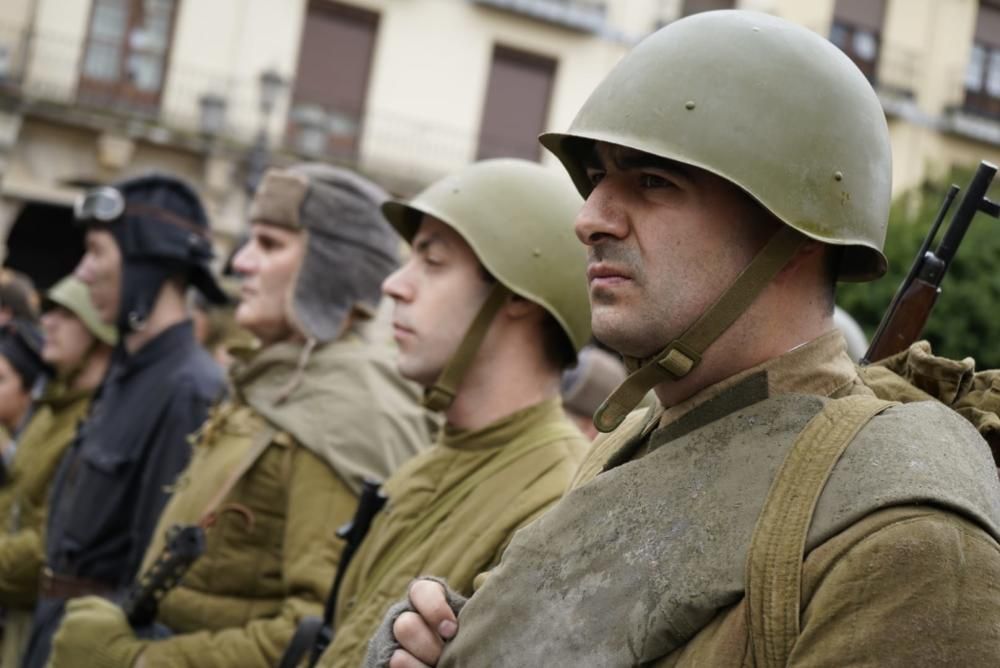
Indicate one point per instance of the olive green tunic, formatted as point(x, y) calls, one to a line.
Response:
point(24, 505)
point(24, 499)
point(534, 453)
point(271, 547)
point(642, 563)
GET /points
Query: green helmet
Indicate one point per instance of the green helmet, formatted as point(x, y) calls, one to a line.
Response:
point(74, 296)
point(517, 217)
point(764, 103)
point(769, 106)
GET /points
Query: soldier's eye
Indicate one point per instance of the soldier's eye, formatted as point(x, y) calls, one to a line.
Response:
point(595, 176)
point(653, 181)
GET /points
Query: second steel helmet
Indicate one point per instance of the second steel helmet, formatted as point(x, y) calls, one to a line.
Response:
point(517, 217)
point(74, 296)
point(769, 106)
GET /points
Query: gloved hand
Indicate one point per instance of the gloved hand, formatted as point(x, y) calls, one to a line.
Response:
point(94, 634)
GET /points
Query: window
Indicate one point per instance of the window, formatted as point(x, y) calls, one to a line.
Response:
point(982, 75)
point(126, 53)
point(331, 85)
point(857, 31)
point(517, 104)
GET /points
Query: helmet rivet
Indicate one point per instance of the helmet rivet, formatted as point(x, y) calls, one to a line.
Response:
point(689, 104)
point(756, 28)
point(537, 252)
point(838, 176)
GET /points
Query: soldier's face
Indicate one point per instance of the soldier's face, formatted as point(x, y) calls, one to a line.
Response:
point(101, 270)
point(665, 240)
point(269, 263)
point(67, 340)
point(437, 293)
point(14, 397)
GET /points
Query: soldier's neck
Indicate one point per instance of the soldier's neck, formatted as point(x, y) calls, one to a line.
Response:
point(170, 309)
point(502, 381)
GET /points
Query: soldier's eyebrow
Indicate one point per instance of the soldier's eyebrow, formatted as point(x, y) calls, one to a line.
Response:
point(626, 159)
point(423, 243)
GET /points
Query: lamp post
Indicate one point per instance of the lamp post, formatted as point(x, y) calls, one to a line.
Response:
point(271, 86)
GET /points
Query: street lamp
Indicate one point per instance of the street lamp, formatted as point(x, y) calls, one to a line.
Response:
point(271, 87)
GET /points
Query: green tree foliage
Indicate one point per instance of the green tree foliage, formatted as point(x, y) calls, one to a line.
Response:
point(966, 320)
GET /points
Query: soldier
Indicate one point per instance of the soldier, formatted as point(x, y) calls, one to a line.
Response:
point(147, 240)
point(489, 309)
point(585, 386)
point(317, 409)
point(78, 348)
point(21, 369)
point(734, 166)
point(18, 299)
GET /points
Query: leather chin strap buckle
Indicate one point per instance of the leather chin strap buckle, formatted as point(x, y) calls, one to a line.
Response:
point(678, 360)
point(438, 398)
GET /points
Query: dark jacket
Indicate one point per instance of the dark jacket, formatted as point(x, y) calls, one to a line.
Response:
point(113, 482)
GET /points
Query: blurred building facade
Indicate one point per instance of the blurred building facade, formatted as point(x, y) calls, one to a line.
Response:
point(403, 90)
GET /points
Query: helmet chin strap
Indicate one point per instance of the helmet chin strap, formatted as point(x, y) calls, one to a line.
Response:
point(440, 396)
point(684, 353)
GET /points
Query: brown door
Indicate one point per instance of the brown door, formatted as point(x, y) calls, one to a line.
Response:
point(697, 6)
point(517, 104)
point(332, 78)
point(127, 53)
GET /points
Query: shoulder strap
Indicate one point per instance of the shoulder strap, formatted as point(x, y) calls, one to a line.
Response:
point(258, 445)
point(777, 549)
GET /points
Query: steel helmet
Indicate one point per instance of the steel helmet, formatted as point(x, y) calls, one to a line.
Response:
point(517, 217)
point(765, 104)
point(74, 296)
point(769, 106)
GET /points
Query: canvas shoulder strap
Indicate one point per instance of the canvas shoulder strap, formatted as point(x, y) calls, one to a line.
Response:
point(774, 561)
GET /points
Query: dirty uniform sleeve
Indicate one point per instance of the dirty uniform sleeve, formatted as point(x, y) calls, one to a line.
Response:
point(21, 560)
point(919, 591)
point(167, 456)
point(318, 503)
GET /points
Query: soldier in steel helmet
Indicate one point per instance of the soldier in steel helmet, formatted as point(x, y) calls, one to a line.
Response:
point(770, 511)
point(489, 309)
point(147, 241)
point(77, 348)
point(318, 408)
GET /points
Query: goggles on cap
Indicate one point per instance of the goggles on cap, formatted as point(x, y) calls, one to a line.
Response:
point(102, 205)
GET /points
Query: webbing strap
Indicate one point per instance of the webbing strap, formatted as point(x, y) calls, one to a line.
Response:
point(440, 396)
point(258, 445)
point(774, 561)
point(684, 353)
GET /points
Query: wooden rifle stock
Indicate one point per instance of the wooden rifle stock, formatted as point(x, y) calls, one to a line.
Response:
point(913, 310)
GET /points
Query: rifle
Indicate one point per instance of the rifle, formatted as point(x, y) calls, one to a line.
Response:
point(912, 304)
point(185, 543)
point(314, 634)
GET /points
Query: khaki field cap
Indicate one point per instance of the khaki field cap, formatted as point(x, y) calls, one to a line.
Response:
point(517, 217)
point(771, 107)
point(74, 296)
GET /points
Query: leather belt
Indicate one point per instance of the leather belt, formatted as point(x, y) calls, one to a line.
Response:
point(58, 585)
